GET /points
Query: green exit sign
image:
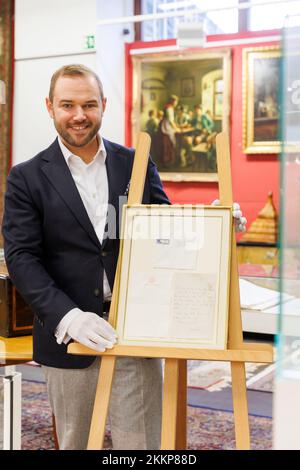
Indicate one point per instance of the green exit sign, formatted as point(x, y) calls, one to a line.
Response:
point(90, 42)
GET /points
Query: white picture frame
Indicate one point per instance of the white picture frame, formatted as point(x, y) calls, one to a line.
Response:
point(174, 279)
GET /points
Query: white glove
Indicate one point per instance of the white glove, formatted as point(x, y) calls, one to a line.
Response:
point(92, 331)
point(239, 220)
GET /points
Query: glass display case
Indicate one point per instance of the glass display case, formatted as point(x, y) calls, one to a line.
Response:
point(287, 403)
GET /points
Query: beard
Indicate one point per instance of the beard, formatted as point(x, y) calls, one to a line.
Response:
point(78, 141)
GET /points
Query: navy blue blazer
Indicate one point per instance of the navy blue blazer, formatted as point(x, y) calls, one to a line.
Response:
point(52, 252)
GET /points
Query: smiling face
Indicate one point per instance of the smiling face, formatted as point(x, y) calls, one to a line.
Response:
point(77, 110)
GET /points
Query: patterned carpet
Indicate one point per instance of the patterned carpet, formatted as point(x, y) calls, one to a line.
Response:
point(207, 429)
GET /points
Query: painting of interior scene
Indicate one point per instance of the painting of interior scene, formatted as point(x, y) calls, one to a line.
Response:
point(266, 111)
point(181, 108)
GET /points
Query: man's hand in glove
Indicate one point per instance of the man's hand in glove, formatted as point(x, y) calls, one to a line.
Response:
point(92, 331)
point(239, 220)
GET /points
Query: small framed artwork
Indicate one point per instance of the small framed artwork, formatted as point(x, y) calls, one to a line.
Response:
point(188, 87)
point(261, 72)
point(174, 281)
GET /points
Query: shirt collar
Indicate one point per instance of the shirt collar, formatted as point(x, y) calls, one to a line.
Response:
point(101, 152)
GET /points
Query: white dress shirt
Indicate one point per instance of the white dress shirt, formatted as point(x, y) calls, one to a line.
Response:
point(92, 184)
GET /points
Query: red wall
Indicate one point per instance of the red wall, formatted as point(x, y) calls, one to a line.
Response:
point(253, 175)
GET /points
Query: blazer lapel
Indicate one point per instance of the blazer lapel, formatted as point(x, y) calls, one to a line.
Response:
point(58, 173)
point(116, 167)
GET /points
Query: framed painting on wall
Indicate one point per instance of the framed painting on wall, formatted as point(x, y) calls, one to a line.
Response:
point(182, 100)
point(261, 72)
point(6, 84)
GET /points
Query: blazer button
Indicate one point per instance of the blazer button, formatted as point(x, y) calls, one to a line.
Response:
point(104, 253)
point(97, 292)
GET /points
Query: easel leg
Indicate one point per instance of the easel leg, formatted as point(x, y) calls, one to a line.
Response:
point(170, 405)
point(240, 405)
point(97, 430)
point(181, 431)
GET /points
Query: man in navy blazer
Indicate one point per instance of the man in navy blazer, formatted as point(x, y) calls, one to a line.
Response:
point(61, 251)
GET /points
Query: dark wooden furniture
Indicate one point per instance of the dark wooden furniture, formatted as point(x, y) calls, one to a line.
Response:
point(16, 317)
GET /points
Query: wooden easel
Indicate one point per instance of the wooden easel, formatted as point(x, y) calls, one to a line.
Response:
point(175, 381)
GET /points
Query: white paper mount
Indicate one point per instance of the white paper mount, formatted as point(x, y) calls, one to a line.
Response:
point(191, 34)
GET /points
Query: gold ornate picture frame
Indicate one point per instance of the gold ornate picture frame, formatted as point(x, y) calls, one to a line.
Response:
point(201, 83)
point(261, 72)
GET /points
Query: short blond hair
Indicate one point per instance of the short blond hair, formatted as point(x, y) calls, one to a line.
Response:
point(73, 70)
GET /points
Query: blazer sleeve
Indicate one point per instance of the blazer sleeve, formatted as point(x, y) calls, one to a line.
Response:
point(23, 247)
point(157, 193)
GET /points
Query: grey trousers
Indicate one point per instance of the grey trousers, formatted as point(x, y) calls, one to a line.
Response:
point(135, 404)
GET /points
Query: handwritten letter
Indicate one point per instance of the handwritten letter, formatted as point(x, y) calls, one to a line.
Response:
point(193, 305)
